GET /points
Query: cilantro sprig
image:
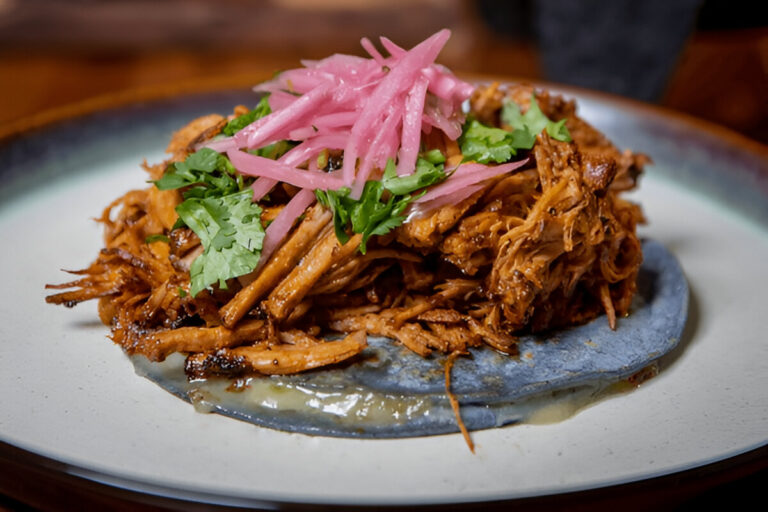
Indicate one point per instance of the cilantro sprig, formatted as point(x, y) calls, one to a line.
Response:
point(486, 144)
point(218, 206)
point(382, 203)
point(231, 233)
point(533, 121)
point(206, 173)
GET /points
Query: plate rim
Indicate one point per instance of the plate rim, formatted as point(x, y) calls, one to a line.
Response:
point(680, 484)
point(36, 125)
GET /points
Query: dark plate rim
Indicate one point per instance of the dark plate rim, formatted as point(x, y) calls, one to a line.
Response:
point(88, 487)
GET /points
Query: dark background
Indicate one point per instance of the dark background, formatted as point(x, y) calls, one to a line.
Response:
point(707, 58)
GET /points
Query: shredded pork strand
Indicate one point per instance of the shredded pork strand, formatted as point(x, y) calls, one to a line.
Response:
point(548, 245)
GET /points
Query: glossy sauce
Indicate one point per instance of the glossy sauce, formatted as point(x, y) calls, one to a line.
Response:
point(357, 406)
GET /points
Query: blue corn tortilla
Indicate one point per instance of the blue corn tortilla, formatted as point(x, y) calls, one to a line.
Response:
point(390, 392)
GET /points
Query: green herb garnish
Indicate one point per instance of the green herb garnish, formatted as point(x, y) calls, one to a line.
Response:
point(218, 206)
point(486, 144)
point(533, 121)
point(150, 239)
point(382, 203)
point(206, 172)
point(230, 231)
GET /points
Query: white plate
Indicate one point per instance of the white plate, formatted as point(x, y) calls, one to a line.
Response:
point(70, 395)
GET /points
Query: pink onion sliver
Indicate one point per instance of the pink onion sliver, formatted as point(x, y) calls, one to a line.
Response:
point(309, 148)
point(389, 145)
point(418, 210)
point(350, 69)
point(451, 127)
point(305, 132)
point(304, 80)
point(337, 64)
point(468, 174)
point(462, 91)
point(372, 75)
point(465, 168)
point(411, 133)
point(261, 187)
point(395, 81)
point(350, 160)
point(298, 80)
point(445, 85)
point(280, 120)
point(219, 145)
point(383, 148)
point(254, 165)
point(447, 108)
point(440, 85)
point(279, 100)
point(321, 123)
point(372, 51)
point(393, 49)
point(336, 119)
point(279, 228)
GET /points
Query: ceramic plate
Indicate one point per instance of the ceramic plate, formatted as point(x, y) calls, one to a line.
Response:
point(72, 396)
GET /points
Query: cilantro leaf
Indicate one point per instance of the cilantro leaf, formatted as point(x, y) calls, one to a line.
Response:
point(559, 131)
point(485, 144)
point(433, 156)
point(150, 239)
point(382, 203)
point(229, 228)
point(333, 199)
point(218, 206)
point(387, 225)
point(205, 160)
point(206, 172)
point(533, 121)
point(427, 173)
point(240, 122)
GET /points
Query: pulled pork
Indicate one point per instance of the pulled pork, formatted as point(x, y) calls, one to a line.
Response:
point(549, 245)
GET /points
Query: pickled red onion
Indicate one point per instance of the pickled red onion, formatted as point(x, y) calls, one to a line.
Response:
point(254, 165)
point(282, 224)
point(466, 175)
point(374, 109)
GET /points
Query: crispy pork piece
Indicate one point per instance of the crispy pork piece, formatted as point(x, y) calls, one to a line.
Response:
point(474, 244)
point(410, 335)
point(426, 232)
point(278, 266)
point(298, 283)
point(159, 345)
point(274, 359)
point(197, 131)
